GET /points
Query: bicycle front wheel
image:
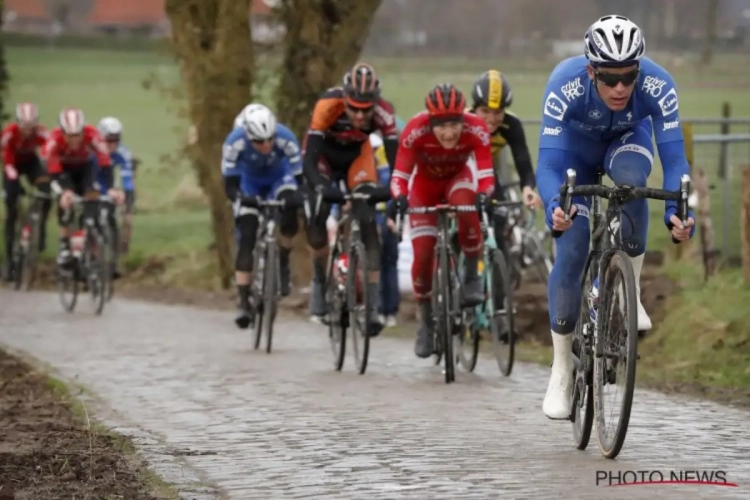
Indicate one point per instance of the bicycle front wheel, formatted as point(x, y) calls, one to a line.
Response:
point(444, 325)
point(582, 414)
point(616, 353)
point(258, 289)
point(500, 312)
point(270, 287)
point(95, 270)
point(358, 301)
point(338, 321)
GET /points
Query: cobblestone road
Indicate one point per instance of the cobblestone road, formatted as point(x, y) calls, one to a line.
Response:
point(286, 425)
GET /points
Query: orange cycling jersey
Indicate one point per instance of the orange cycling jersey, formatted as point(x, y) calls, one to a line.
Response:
point(333, 145)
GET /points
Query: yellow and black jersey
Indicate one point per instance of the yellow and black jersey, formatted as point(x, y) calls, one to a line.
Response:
point(511, 133)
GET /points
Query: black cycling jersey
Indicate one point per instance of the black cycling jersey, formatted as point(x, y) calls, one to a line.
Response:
point(511, 133)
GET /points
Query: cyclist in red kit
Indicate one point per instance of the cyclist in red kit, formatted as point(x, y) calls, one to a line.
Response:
point(21, 141)
point(434, 153)
point(74, 153)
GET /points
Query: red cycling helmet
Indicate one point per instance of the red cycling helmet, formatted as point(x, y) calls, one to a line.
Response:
point(445, 102)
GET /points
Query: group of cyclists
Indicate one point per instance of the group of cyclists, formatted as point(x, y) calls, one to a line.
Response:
point(74, 159)
point(599, 112)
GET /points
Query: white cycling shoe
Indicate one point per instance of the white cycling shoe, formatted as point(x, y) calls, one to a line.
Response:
point(644, 322)
point(558, 400)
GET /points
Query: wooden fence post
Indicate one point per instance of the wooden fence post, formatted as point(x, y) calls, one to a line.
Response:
point(745, 223)
point(705, 224)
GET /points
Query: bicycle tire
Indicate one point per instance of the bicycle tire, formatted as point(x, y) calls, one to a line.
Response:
point(468, 343)
point(18, 261)
point(67, 284)
point(107, 261)
point(618, 263)
point(338, 318)
point(444, 324)
point(31, 255)
point(500, 280)
point(94, 265)
point(258, 286)
point(270, 287)
point(359, 314)
point(582, 421)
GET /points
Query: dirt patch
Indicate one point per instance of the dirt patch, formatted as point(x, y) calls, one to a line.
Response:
point(47, 451)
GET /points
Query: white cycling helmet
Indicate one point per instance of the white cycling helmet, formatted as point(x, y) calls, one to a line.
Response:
point(259, 122)
point(614, 41)
point(110, 126)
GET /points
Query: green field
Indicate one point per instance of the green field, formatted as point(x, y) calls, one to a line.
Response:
point(172, 219)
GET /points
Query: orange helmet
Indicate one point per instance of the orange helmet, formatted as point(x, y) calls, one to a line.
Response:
point(445, 101)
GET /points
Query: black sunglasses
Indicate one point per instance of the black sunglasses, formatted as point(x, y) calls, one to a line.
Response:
point(612, 79)
point(260, 142)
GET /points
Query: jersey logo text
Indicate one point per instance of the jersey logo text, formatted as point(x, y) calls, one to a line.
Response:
point(552, 131)
point(572, 89)
point(668, 103)
point(415, 134)
point(671, 125)
point(482, 134)
point(554, 107)
point(595, 114)
point(653, 85)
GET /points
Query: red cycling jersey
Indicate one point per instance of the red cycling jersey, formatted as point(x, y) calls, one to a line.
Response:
point(420, 148)
point(59, 155)
point(19, 149)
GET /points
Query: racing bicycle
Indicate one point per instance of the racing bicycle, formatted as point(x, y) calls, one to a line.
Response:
point(606, 335)
point(266, 284)
point(91, 258)
point(495, 314)
point(346, 287)
point(446, 286)
point(27, 242)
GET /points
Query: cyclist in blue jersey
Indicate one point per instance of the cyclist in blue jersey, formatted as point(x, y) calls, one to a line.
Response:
point(599, 111)
point(260, 160)
point(111, 130)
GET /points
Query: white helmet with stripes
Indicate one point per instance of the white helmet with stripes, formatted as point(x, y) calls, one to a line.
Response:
point(614, 41)
point(259, 122)
point(72, 121)
point(27, 114)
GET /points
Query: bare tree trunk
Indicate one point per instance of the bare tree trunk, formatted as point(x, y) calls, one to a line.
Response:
point(4, 77)
point(711, 17)
point(213, 44)
point(323, 39)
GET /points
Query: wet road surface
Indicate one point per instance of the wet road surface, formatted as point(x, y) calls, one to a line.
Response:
point(286, 425)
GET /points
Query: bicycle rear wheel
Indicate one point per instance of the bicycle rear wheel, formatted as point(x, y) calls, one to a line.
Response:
point(18, 263)
point(500, 312)
point(358, 302)
point(616, 347)
point(339, 318)
point(269, 293)
point(444, 324)
point(582, 415)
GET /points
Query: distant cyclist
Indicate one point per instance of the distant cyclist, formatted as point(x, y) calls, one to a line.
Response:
point(434, 166)
point(338, 149)
point(111, 129)
point(21, 142)
point(599, 111)
point(491, 97)
point(74, 154)
point(260, 161)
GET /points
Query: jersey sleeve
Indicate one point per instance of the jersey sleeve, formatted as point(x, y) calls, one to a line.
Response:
point(230, 153)
point(126, 169)
point(483, 155)
point(405, 160)
point(99, 148)
point(9, 152)
point(553, 138)
point(287, 143)
point(50, 154)
point(325, 113)
point(520, 150)
point(663, 101)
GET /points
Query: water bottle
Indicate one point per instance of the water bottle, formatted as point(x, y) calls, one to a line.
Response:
point(594, 300)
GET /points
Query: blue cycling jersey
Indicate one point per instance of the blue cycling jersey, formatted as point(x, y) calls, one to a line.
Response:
point(262, 174)
point(576, 121)
point(122, 160)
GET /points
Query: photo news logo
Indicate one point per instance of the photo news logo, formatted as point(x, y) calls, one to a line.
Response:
point(647, 477)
